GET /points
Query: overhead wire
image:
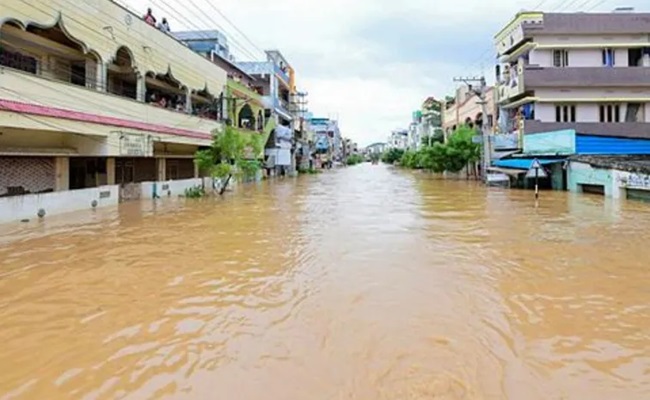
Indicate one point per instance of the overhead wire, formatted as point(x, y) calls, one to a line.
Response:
point(199, 17)
point(93, 30)
point(210, 3)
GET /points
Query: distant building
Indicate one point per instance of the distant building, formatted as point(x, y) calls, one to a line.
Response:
point(206, 42)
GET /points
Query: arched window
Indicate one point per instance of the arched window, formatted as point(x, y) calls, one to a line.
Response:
point(246, 118)
point(121, 78)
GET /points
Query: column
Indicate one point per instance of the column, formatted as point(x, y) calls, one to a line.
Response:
point(196, 171)
point(161, 166)
point(188, 100)
point(141, 90)
point(101, 79)
point(110, 171)
point(61, 173)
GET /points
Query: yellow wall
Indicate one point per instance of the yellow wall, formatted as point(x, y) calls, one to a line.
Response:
point(103, 27)
point(27, 88)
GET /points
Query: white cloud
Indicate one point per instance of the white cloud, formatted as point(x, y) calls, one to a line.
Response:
point(348, 74)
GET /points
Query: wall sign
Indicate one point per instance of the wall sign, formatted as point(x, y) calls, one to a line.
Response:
point(135, 145)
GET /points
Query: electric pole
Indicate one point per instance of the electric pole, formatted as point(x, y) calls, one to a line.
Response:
point(481, 92)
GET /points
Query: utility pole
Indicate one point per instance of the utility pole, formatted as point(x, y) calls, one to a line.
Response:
point(481, 92)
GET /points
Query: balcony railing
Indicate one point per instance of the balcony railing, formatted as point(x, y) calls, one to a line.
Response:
point(620, 129)
point(48, 94)
point(536, 76)
point(282, 74)
point(240, 87)
point(512, 84)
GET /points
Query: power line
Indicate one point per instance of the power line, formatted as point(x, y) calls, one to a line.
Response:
point(92, 29)
point(199, 17)
point(234, 26)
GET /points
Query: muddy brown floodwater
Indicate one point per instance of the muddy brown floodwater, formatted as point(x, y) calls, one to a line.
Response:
point(360, 283)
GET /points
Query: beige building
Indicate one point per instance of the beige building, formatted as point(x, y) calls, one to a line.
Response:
point(92, 97)
point(465, 109)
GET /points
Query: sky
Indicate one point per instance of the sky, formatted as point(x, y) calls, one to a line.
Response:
point(369, 63)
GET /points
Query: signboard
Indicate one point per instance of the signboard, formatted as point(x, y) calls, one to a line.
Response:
point(134, 145)
point(536, 170)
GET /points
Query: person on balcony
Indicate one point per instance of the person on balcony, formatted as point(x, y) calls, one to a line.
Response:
point(164, 26)
point(149, 18)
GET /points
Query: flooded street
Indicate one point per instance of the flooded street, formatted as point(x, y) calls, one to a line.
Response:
point(361, 283)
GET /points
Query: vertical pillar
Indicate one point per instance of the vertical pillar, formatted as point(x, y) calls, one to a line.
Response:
point(196, 171)
point(62, 174)
point(110, 171)
point(188, 100)
point(141, 89)
point(101, 79)
point(161, 165)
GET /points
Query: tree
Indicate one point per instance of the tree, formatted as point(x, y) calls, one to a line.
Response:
point(458, 152)
point(392, 155)
point(230, 153)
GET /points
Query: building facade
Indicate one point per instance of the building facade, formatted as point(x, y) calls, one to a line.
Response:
point(587, 72)
point(93, 97)
point(465, 109)
point(276, 82)
point(574, 89)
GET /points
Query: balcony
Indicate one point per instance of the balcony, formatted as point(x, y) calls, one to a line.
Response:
point(282, 74)
point(512, 84)
point(620, 129)
point(245, 91)
point(539, 77)
point(54, 105)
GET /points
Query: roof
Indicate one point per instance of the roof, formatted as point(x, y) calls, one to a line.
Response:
point(637, 164)
point(592, 23)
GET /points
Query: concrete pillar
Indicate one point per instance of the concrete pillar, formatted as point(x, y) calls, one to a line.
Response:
point(196, 171)
point(62, 173)
point(161, 165)
point(141, 88)
point(110, 171)
point(101, 79)
point(188, 101)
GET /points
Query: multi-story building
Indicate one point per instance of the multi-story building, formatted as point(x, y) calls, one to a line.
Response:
point(206, 43)
point(276, 81)
point(92, 97)
point(328, 141)
point(426, 123)
point(575, 84)
point(465, 108)
point(277, 78)
point(580, 71)
point(398, 139)
point(376, 148)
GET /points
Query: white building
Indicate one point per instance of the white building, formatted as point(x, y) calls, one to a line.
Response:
point(577, 71)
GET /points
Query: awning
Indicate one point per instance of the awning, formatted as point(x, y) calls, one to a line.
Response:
point(524, 163)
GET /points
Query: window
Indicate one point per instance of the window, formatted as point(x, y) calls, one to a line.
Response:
point(610, 113)
point(635, 57)
point(560, 58)
point(565, 113)
point(609, 57)
point(18, 61)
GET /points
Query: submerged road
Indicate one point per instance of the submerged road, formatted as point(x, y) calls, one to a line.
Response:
point(361, 283)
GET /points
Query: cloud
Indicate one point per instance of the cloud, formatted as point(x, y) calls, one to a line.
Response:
point(372, 62)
